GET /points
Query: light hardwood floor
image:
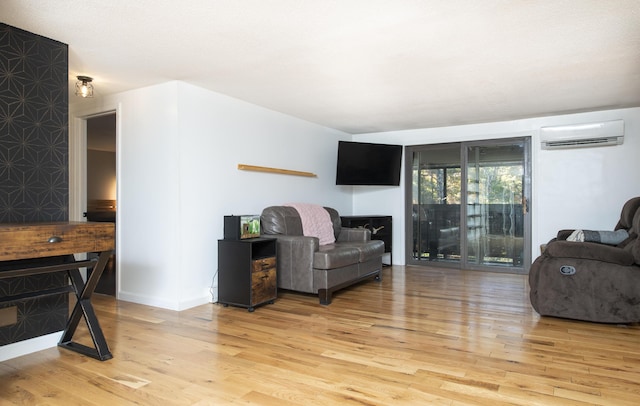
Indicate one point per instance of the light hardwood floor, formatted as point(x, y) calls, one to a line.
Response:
point(421, 336)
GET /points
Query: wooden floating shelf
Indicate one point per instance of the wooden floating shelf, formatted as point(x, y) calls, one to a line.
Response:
point(275, 170)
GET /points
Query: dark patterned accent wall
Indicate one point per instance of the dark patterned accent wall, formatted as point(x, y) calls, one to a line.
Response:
point(34, 181)
point(34, 93)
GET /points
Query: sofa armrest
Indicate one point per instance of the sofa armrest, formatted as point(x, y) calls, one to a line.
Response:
point(354, 234)
point(589, 251)
point(295, 262)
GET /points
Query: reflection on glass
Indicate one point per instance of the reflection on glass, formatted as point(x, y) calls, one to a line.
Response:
point(468, 204)
point(495, 214)
point(437, 186)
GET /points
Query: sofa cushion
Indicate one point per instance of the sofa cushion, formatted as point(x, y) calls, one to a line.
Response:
point(368, 250)
point(316, 222)
point(282, 220)
point(331, 256)
point(628, 212)
point(336, 220)
point(633, 246)
point(634, 249)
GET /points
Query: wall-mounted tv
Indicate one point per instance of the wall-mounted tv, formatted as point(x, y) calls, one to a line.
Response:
point(361, 163)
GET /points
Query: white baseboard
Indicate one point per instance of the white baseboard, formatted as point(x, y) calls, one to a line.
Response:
point(32, 345)
point(158, 302)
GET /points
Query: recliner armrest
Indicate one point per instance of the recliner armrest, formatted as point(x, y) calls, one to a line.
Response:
point(589, 251)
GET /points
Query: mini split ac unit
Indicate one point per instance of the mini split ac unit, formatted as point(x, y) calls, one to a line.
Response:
point(583, 135)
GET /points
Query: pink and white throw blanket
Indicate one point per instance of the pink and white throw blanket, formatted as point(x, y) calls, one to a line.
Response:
point(316, 221)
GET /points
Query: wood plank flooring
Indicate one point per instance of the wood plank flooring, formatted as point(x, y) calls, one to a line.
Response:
point(421, 336)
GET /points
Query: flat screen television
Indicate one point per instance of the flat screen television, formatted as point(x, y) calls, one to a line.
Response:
point(361, 163)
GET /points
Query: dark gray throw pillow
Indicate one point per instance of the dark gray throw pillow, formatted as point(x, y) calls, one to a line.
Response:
point(602, 237)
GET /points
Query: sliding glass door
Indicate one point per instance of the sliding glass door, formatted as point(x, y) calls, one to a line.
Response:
point(469, 205)
point(496, 204)
point(436, 200)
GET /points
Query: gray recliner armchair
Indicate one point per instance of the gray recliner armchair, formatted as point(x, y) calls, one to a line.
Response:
point(591, 280)
point(304, 265)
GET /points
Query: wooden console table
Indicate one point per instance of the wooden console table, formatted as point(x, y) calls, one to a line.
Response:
point(42, 240)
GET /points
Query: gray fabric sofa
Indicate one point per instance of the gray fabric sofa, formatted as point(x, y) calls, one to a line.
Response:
point(305, 266)
point(589, 280)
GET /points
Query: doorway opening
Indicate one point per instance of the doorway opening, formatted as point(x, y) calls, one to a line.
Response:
point(101, 184)
point(468, 205)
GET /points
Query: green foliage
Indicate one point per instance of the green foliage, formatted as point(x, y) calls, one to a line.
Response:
point(496, 184)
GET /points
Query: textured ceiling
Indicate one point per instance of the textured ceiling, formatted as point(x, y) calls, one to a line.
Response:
point(359, 65)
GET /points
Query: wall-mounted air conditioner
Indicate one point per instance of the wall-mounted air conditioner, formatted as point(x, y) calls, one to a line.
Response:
point(583, 135)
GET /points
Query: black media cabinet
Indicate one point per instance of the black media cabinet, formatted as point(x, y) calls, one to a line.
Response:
point(380, 227)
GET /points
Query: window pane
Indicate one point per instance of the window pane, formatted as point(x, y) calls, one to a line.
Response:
point(495, 219)
point(436, 204)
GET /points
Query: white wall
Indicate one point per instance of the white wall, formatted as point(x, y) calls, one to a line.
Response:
point(216, 134)
point(178, 147)
point(573, 188)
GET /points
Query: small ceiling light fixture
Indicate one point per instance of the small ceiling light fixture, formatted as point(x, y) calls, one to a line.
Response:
point(84, 88)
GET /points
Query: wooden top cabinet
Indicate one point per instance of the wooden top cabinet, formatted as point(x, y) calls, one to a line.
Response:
point(38, 240)
point(52, 246)
point(247, 272)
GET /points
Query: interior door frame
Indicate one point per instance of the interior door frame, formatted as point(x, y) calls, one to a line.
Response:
point(78, 167)
point(463, 263)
